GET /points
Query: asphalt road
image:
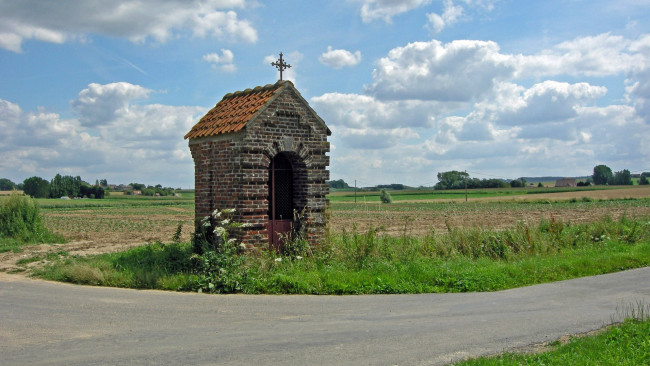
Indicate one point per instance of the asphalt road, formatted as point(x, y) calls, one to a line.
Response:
point(45, 323)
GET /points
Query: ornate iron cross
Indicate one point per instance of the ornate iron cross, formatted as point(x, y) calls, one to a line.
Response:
point(281, 65)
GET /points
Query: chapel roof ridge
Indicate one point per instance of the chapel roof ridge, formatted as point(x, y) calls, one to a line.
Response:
point(257, 89)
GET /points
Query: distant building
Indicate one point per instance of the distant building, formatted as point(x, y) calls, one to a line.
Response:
point(566, 182)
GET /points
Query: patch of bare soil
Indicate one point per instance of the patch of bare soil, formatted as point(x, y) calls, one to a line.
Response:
point(89, 243)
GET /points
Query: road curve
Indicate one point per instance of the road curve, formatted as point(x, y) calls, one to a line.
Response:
point(46, 323)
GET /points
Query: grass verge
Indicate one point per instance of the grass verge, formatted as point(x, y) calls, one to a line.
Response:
point(460, 260)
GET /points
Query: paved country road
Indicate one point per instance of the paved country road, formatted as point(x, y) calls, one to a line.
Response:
point(46, 323)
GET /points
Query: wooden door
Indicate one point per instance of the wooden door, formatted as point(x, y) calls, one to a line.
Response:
point(280, 199)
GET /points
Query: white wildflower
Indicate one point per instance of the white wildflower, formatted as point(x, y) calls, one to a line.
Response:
point(232, 240)
point(216, 213)
point(278, 259)
point(225, 222)
point(229, 210)
point(298, 257)
point(219, 230)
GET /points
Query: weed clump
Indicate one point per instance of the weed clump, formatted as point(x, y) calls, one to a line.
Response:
point(218, 265)
point(20, 220)
point(385, 197)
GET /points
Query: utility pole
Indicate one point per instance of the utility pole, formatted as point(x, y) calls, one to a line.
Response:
point(465, 180)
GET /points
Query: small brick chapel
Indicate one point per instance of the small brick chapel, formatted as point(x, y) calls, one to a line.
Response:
point(262, 151)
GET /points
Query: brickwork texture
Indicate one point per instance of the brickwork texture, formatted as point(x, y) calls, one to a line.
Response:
point(232, 169)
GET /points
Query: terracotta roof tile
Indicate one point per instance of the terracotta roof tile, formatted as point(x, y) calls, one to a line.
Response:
point(233, 111)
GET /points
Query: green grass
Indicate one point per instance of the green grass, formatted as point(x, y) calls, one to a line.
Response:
point(430, 194)
point(117, 201)
point(461, 260)
point(627, 343)
point(150, 266)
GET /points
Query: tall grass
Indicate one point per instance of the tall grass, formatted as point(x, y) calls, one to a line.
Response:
point(147, 267)
point(21, 223)
point(458, 260)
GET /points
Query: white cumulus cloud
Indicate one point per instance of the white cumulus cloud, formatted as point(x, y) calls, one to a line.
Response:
point(466, 104)
point(448, 17)
point(339, 58)
point(387, 9)
point(59, 21)
point(458, 71)
point(101, 104)
point(117, 134)
point(223, 62)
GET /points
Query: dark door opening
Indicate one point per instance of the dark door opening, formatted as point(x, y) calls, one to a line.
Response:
point(280, 199)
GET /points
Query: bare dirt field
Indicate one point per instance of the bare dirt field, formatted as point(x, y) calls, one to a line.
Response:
point(89, 232)
point(490, 212)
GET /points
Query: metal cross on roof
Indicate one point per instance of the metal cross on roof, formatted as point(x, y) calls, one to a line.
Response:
point(281, 65)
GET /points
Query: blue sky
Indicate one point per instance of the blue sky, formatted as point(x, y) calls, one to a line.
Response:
point(409, 88)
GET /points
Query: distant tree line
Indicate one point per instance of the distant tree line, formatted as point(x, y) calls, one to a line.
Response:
point(454, 179)
point(146, 190)
point(603, 175)
point(394, 186)
point(59, 186)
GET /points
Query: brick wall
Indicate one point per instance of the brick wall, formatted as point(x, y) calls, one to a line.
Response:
point(231, 170)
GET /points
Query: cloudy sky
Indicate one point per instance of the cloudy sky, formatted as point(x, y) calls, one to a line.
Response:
point(409, 88)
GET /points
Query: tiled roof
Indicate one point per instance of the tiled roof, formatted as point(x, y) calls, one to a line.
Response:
point(233, 111)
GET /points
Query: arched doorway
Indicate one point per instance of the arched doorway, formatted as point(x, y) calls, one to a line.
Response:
point(280, 198)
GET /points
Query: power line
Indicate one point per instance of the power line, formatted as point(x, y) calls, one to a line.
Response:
point(487, 175)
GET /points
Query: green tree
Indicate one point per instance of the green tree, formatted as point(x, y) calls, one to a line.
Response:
point(56, 187)
point(36, 187)
point(66, 185)
point(622, 178)
point(338, 184)
point(138, 186)
point(644, 179)
point(521, 182)
point(452, 179)
point(602, 175)
point(6, 184)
